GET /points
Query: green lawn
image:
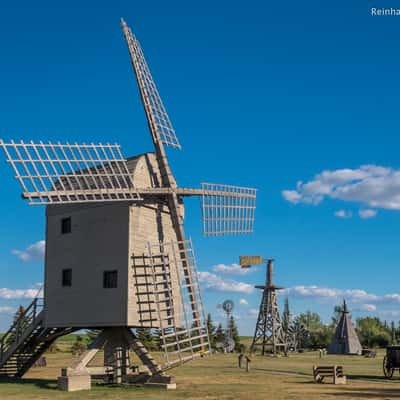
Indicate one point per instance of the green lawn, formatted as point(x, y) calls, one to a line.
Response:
point(217, 377)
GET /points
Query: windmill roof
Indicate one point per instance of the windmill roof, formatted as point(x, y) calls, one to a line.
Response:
point(88, 178)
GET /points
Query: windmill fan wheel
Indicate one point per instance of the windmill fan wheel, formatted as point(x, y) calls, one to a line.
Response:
point(227, 306)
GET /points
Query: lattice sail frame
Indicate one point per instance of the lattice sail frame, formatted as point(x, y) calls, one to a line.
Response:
point(160, 124)
point(70, 173)
point(183, 331)
point(227, 209)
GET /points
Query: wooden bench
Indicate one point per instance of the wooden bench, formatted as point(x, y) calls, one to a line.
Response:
point(331, 371)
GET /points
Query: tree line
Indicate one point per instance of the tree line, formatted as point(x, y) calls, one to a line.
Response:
point(372, 331)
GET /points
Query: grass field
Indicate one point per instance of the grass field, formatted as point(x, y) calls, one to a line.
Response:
point(217, 377)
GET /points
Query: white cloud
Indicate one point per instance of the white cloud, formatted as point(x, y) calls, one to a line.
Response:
point(367, 213)
point(232, 269)
point(243, 302)
point(12, 294)
point(326, 293)
point(216, 283)
point(253, 312)
point(360, 299)
point(368, 307)
point(7, 310)
point(343, 214)
point(371, 185)
point(34, 252)
point(292, 196)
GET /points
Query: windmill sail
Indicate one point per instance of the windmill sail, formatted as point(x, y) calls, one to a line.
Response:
point(70, 173)
point(157, 117)
point(227, 209)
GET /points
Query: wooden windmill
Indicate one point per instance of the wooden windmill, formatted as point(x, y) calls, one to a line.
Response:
point(117, 256)
point(269, 334)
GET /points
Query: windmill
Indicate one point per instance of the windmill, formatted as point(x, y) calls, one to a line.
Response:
point(269, 332)
point(228, 344)
point(295, 331)
point(117, 256)
point(228, 306)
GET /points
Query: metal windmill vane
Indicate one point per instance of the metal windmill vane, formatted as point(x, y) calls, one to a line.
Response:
point(103, 208)
point(228, 306)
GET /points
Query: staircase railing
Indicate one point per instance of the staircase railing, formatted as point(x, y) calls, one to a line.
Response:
point(24, 321)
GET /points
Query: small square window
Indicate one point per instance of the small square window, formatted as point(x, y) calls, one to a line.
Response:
point(66, 225)
point(110, 279)
point(67, 277)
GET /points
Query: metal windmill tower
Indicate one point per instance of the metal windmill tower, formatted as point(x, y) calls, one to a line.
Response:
point(117, 256)
point(227, 344)
point(269, 332)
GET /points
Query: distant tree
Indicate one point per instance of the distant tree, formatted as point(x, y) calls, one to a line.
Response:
point(310, 320)
point(286, 316)
point(318, 334)
point(211, 330)
point(337, 312)
point(300, 334)
point(79, 346)
point(53, 348)
point(398, 330)
point(20, 323)
point(92, 334)
point(234, 332)
point(145, 336)
point(393, 332)
point(219, 335)
point(372, 332)
point(322, 337)
point(157, 339)
point(385, 324)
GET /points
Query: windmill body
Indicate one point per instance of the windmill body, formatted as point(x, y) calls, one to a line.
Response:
point(107, 238)
point(117, 256)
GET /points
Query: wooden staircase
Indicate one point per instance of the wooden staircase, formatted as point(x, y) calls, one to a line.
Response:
point(26, 341)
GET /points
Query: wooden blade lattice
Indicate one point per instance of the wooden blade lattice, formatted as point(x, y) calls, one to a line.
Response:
point(227, 209)
point(182, 323)
point(70, 173)
point(159, 122)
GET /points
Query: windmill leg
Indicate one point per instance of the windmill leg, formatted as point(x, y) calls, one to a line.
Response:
point(77, 376)
point(156, 376)
point(116, 354)
point(141, 351)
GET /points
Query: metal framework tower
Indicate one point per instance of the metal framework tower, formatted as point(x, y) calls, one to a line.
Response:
point(269, 333)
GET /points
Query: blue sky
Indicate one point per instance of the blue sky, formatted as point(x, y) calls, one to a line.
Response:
point(262, 94)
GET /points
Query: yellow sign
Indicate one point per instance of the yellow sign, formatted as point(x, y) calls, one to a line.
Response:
point(246, 261)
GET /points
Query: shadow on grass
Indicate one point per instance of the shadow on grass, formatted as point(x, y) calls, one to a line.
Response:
point(368, 393)
point(379, 378)
point(281, 372)
point(41, 383)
